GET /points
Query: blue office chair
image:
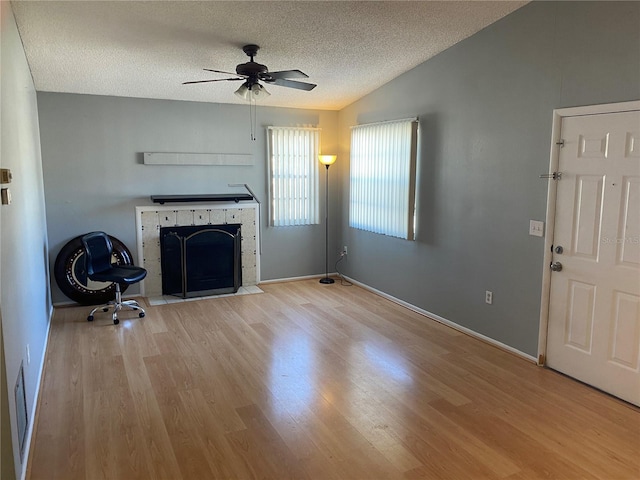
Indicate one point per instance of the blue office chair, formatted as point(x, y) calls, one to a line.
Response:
point(98, 256)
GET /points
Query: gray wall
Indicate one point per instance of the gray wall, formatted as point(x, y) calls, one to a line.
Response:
point(94, 176)
point(24, 292)
point(485, 109)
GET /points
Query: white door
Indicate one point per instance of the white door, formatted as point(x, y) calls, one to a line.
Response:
point(594, 310)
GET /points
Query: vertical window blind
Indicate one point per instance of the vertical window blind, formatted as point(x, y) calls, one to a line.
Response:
point(293, 169)
point(382, 177)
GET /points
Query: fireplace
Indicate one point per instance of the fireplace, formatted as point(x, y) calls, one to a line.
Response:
point(200, 260)
point(150, 219)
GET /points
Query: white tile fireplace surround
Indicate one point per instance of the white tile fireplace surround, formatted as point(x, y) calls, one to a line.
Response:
point(149, 219)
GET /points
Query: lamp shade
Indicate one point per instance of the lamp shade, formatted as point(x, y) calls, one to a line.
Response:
point(258, 91)
point(243, 91)
point(327, 159)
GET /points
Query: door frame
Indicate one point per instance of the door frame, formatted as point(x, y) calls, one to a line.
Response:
point(558, 115)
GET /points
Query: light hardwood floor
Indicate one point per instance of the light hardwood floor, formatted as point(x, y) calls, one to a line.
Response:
point(311, 381)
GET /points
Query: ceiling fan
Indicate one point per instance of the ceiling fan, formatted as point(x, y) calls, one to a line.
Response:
point(253, 73)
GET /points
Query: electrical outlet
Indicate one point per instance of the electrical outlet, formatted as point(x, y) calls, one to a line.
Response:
point(488, 297)
point(344, 249)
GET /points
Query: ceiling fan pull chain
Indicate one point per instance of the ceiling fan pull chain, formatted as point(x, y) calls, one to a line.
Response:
point(253, 117)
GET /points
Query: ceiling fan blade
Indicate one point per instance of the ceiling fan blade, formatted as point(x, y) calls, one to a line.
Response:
point(287, 74)
point(293, 84)
point(216, 80)
point(222, 71)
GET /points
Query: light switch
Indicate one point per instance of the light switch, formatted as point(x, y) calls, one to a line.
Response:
point(536, 228)
point(5, 175)
point(6, 196)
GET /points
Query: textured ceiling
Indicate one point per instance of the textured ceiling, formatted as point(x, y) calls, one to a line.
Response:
point(147, 49)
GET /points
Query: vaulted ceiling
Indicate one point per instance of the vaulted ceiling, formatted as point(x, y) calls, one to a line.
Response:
point(148, 48)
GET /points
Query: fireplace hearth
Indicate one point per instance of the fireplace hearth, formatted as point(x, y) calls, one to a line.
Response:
point(201, 260)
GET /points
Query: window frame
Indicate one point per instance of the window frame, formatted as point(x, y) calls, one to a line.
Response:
point(365, 181)
point(304, 180)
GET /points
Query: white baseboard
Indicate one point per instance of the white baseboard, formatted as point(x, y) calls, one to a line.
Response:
point(36, 400)
point(76, 304)
point(446, 322)
point(408, 305)
point(294, 279)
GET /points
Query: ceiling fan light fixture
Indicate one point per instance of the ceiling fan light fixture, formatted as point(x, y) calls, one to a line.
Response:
point(251, 92)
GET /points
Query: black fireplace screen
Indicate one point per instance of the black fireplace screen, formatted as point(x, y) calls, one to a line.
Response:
point(200, 260)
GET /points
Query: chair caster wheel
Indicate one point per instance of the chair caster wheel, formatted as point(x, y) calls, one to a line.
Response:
point(141, 314)
point(116, 321)
point(90, 318)
point(105, 309)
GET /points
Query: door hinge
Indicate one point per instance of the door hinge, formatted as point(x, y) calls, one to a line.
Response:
point(553, 176)
point(561, 142)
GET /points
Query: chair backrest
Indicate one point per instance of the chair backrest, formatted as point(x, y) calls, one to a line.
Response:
point(99, 252)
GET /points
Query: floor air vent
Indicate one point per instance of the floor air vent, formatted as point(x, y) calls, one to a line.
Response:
point(21, 410)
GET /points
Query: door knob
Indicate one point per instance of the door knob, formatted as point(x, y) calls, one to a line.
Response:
point(556, 266)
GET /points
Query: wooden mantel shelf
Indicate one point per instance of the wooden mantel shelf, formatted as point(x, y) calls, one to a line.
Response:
point(215, 197)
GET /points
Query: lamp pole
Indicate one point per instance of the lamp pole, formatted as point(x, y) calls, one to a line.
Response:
point(327, 161)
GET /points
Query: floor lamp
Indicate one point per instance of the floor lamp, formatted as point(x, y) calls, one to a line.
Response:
point(327, 161)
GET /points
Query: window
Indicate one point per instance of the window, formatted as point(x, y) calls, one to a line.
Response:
point(382, 178)
point(293, 168)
